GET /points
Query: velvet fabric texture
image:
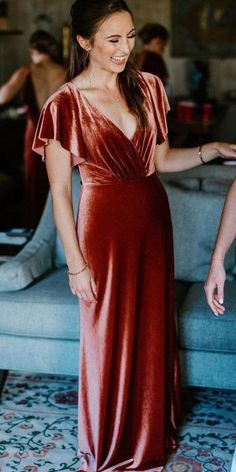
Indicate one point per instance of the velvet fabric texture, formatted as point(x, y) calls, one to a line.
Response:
point(35, 176)
point(129, 392)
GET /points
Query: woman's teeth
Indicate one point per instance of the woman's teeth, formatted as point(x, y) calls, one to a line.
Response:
point(118, 59)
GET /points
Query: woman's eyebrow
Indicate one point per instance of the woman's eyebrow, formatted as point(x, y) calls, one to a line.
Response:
point(118, 35)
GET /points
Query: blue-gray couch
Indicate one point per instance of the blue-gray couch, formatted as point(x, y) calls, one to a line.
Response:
point(39, 322)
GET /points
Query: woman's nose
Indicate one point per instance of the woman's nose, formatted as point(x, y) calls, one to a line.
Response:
point(124, 46)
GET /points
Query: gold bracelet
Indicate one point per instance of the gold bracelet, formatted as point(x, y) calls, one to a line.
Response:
point(200, 155)
point(79, 272)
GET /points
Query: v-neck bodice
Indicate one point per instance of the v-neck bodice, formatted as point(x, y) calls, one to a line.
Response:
point(98, 146)
point(101, 114)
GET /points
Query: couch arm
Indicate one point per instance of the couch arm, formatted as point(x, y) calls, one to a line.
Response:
point(36, 257)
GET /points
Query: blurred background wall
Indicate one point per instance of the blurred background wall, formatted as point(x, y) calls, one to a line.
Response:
point(23, 15)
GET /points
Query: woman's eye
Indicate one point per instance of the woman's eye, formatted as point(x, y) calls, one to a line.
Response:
point(117, 40)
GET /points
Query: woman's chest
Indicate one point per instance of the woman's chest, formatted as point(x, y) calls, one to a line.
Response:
point(115, 111)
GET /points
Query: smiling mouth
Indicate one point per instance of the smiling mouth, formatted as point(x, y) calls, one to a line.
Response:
point(118, 59)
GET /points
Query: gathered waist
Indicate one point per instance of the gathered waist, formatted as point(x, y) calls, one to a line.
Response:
point(136, 181)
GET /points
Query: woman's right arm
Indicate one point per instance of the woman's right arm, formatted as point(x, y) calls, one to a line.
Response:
point(13, 85)
point(59, 174)
point(214, 286)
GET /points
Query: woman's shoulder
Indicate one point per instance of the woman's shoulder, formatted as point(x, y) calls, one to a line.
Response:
point(152, 80)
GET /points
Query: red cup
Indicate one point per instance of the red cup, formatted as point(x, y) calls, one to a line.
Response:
point(180, 111)
point(188, 111)
point(207, 112)
point(185, 110)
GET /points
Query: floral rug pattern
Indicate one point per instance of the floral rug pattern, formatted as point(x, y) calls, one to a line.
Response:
point(38, 427)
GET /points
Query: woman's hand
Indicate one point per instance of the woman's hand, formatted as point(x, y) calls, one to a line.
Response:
point(214, 287)
point(226, 150)
point(83, 285)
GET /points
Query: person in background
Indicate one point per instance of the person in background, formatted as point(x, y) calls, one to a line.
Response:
point(37, 82)
point(214, 286)
point(155, 38)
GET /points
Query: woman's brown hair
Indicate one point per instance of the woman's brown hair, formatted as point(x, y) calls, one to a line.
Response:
point(45, 43)
point(86, 17)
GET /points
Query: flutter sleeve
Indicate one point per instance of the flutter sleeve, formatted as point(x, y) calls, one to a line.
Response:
point(60, 121)
point(160, 105)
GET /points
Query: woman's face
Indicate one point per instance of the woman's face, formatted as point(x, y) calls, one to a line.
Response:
point(113, 42)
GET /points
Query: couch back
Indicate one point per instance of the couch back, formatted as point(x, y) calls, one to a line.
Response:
point(196, 200)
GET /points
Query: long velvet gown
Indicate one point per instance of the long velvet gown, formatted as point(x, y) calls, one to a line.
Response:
point(129, 376)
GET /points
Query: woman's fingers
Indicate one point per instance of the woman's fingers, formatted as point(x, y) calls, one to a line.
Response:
point(218, 306)
point(213, 302)
point(83, 286)
point(209, 291)
point(84, 294)
point(214, 287)
point(227, 150)
point(220, 292)
point(213, 307)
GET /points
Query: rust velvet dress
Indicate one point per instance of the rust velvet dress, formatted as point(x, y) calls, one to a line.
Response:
point(129, 376)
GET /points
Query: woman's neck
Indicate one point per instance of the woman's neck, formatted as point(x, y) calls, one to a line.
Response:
point(101, 79)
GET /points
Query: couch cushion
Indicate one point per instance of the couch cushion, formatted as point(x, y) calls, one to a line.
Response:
point(187, 183)
point(219, 186)
point(195, 218)
point(200, 329)
point(180, 290)
point(211, 171)
point(46, 309)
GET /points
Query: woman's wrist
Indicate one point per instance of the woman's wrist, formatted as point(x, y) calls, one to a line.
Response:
point(208, 152)
point(78, 271)
point(218, 257)
point(75, 264)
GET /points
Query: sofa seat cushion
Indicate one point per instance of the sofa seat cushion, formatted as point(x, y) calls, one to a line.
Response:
point(180, 290)
point(199, 329)
point(46, 309)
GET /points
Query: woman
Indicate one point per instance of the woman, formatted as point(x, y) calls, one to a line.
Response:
point(109, 121)
point(214, 286)
point(155, 38)
point(37, 82)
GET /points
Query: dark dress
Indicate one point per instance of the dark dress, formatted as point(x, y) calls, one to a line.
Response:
point(36, 183)
point(149, 61)
point(129, 377)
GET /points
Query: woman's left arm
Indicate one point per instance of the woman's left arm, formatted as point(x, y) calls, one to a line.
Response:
point(178, 159)
point(214, 286)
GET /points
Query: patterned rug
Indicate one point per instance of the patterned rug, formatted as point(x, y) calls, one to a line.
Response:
point(38, 430)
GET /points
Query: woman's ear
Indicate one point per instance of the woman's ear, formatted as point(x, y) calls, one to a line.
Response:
point(84, 43)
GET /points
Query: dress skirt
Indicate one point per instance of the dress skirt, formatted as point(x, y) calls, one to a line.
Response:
point(129, 384)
